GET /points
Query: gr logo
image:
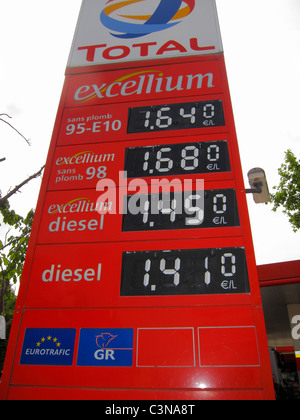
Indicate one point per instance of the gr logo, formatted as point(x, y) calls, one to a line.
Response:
point(296, 329)
point(105, 347)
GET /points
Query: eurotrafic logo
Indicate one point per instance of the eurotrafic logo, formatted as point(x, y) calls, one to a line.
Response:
point(48, 347)
point(119, 18)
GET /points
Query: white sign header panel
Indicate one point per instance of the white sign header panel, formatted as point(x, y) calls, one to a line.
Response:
point(116, 31)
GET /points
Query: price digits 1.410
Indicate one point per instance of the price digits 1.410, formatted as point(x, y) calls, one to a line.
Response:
point(184, 272)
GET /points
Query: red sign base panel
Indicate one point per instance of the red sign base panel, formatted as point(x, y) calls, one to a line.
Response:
point(140, 281)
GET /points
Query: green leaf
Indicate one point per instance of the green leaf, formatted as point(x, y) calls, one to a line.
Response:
point(287, 196)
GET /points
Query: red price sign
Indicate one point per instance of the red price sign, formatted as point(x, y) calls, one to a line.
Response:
point(141, 245)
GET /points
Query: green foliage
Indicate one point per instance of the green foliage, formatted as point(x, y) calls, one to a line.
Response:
point(288, 191)
point(13, 249)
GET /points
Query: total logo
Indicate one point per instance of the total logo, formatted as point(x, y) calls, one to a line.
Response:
point(167, 14)
point(132, 30)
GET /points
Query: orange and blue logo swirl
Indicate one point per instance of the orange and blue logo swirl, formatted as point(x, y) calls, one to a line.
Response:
point(167, 14)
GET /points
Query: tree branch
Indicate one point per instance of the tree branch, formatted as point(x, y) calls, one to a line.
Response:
point(15, 240)
point(18, 187)
point(6, 122)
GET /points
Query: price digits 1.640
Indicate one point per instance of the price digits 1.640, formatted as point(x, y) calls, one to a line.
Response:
point(176, 116)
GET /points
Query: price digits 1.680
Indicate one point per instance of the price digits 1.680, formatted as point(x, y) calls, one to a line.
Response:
point(189, 158)
point(177, 159)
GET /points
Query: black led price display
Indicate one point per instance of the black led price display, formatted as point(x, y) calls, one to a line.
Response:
point(176, 116)
point(181, 210)
point(177, 159)
point(184, 272)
